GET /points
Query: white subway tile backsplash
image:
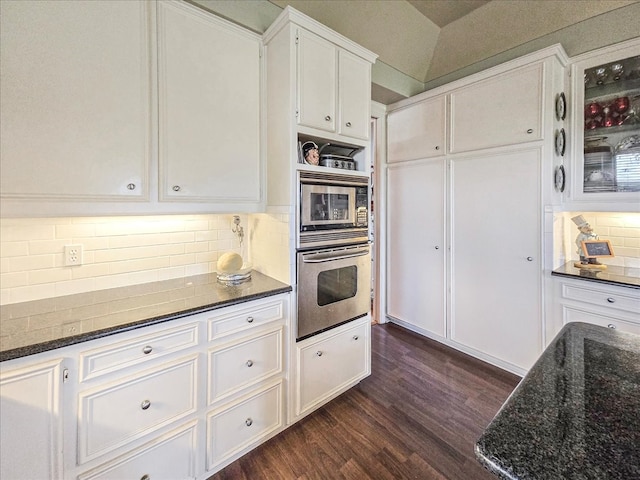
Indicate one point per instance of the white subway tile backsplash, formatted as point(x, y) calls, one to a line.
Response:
point(117, 251)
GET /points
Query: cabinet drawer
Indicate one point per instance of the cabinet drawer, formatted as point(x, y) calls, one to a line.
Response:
point(234, 428)
point(239, 319)
point(103, 360)
point(570, 314)
point(121, 412)
point(240, 365)
point(171, 457)
point(328, 365)
point(628, 303)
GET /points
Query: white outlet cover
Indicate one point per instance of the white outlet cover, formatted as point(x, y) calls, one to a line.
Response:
point(72, 255)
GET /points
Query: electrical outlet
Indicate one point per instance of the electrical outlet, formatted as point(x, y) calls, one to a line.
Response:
point(72, 255)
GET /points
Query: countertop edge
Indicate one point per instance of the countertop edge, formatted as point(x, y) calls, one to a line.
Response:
point(93, 335)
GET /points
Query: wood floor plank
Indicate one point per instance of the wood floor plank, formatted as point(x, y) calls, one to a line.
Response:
point(416, 417)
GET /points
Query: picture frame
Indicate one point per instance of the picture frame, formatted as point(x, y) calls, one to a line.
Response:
point(597, 248)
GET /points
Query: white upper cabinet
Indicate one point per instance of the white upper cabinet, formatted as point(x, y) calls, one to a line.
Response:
point(354, 88)
point(334, 88)
point(504, 109)
point(209, 107)
point(75, 121)
point(417, 131)
point(316, 82)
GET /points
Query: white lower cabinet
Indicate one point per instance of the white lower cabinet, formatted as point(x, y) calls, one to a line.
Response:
point(416, 293)
point(609, 306)
point(233, 429)
point(328, 364)
point(171, 457)
point(496, 264)
point(31, 416)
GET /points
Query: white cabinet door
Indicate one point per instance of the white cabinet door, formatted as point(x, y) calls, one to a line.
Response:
point(417, 131)
point(354, 95)
point(75, 120)
point(31, 419)
point(330, 363)
point(496, 299)
point(415, 237)
point(504, 109)
point(316, 82)
point(209, 107)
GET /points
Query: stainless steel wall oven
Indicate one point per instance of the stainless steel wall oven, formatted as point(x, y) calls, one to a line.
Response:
point(334, 255)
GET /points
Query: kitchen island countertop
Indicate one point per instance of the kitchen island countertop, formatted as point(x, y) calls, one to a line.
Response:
point(41, 325)
point(574, 415)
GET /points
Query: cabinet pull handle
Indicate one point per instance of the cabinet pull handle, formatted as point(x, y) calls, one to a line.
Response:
point(145, 404)
point(249, 363)
point(248, 422)
point(348, 124)
point(356, 337)
point(530, 131)
point(176, 188)
point(611, 300)
point(437, 147)
point(611, 325)
point(319, 353)
point(529, 259)
point(437, 247)
point(147, 350)
point(328, 118)
point(145, 477)
point(249, 319)
point(131, 186)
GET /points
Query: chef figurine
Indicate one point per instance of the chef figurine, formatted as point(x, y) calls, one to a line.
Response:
point(310, 153)
point(586, 233)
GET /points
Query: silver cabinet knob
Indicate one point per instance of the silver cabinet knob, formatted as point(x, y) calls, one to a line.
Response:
point(131, 186)
point(437, 247)
point(176, 188)
point(145, 477)
point(530, 131)
point(348, 124)
point(437, 147)
point(249, 319)
point(145, 404)
point(147, 350)
point(248, 422)
point(319, 353)
point(356, 337)
point(611, 325)
point(249, 363)
point(529, 259)
point(328, 118)
point(611, 300)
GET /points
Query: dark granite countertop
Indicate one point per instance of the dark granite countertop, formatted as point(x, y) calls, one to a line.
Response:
point(621, 276)
point(575, 415)
point(33, 327)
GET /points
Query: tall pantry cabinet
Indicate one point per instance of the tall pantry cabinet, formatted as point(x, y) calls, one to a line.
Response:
point(470, 168)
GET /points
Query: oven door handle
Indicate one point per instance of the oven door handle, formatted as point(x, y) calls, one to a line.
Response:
point(329, 257)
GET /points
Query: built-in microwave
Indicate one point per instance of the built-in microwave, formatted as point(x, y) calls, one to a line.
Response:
point(333, 209)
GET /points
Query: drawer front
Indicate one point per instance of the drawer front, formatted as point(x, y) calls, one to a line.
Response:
point(627, 303)
point(100, 361)
point(570, 314)
point(239, 319)
point(329, 365)
point(237, 366)
point(122, 412)
point(171, 457)
point(233, 429)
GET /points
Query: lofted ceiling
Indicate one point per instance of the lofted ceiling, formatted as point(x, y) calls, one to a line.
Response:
point(422, 42)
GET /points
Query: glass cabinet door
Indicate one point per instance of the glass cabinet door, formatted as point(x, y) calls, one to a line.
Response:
point(607, 127)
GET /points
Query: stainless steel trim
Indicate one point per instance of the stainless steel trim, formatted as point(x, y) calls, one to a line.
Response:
point(329, 256)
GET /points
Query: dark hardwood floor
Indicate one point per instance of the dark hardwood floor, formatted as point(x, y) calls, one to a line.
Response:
point(416, 417)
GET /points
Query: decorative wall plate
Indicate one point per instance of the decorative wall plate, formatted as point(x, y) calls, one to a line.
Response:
point(559, 178)
point(561, 141)
point(561, 106)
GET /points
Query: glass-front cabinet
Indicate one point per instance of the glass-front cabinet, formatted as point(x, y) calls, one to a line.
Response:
point(606, 121)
